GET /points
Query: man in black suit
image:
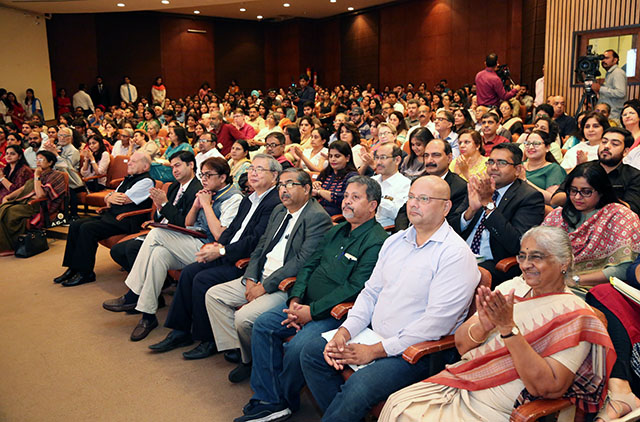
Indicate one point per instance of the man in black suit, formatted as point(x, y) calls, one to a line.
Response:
point(216, 262)
point(295, 230)
point(84, 234)
point(172, 207)
point(438, 154)
point(498, 210)
point(100, 93)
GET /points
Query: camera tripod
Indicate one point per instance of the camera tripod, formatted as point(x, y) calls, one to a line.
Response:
point(588, 97)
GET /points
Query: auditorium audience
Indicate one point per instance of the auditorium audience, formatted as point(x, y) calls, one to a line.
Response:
point(505, 361)
point(144, 144)
point(541, 169)
point(490, 122)
point(16, 172)
point(395, 186)
point(566, 123)
point(630, 119)
point(313, 158)
point(68, 160)
point(471, 160)
point(295, 230)
point(178, 141)
point(331, 183)
point(413, 165)
point(511, 122)
point(95, 162)
point(593, 126)
point(124, 146)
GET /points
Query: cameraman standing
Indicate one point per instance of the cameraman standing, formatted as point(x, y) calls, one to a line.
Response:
point(306, 93)
point(489, 86)
point(614, 90)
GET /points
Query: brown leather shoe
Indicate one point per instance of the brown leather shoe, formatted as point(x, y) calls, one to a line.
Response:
point(143, 329)
point(118, 304)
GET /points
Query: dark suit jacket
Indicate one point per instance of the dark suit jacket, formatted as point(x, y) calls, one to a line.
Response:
point(254, 229)
point(521, 208)
point(458, 188)
point(100, 98)
point(305, 237)
point(176, 214)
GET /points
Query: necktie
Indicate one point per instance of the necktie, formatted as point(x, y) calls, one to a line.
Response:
point(274, 241)
point(175, 201)
point(129, 91)
point(475, 243)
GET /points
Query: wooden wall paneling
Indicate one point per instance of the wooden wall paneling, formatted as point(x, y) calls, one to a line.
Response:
point(187, 58)
point(564, 17)
point(72, 39)
point(359, 51)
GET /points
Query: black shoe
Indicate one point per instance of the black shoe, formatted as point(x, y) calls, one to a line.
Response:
point(233, 356)
point(143, 329)
point(262, 412)
point(203, 350)
point(241, 373)
point(79, 279)
point(172, 341)
point(65, 276)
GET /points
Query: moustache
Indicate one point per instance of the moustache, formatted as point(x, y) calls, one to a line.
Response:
point(34, 145)
point(431, 165)
point(285, 196)
point(347, 207)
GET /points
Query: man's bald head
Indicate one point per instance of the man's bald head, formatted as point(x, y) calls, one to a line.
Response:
point(429, 202)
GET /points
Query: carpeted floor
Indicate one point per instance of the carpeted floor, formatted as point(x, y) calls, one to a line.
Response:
point(64, 358)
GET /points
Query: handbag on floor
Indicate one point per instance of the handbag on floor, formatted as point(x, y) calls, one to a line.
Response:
point(31, 243)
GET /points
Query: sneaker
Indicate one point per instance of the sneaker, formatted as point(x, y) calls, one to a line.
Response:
point(265, 412)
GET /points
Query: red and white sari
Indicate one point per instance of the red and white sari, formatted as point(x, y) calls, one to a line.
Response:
point(485, 386)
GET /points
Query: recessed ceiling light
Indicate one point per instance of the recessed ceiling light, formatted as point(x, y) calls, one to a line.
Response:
point(197, 12)
point(259, 16)
point(120, 4)
point(350, 9)
point(332, 1)
point(242, 9)
point(286, 5)
point(165, 2)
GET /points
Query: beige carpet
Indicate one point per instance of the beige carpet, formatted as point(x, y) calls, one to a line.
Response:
point(64, 358)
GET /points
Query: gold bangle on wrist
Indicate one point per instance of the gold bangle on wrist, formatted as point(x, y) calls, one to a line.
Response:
point(471, 336)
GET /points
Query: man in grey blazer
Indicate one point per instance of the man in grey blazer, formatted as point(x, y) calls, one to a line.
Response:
point(295, 230)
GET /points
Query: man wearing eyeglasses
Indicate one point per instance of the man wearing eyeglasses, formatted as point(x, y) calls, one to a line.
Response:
point(295, 230)
point(215, 263)
point(35, 144)
point(499, 209)
point(420, 289)
point(68, 160)
point(444, 122)
point(207, 148)
point(395, 186)
point(274, 146)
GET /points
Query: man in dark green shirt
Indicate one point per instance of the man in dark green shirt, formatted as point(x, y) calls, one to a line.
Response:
point(335, 273)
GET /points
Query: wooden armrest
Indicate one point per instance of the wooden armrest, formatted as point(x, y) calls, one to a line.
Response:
point(124, 215)
point(287, 283)
point(414, 353)
point(340, 310)
point(338, 218)
point(506, 264)
point(145, 225)
point(389, 228)
point(534, 410)
point(102, 210)
point(210, 243)
point(99, 176)
point(242, 263)
point(115, 182)
point(37, 201)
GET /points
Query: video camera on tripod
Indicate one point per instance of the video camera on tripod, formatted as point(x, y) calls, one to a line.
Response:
point(504, 73)
point(587, 68)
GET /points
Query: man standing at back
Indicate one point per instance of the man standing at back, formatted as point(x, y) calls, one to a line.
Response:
point(614, 90)
point(489, 87)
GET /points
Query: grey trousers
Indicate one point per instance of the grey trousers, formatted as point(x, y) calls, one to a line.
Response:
point(161, 250)
point(231, 326)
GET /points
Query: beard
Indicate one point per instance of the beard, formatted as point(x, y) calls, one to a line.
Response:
point(611, 161)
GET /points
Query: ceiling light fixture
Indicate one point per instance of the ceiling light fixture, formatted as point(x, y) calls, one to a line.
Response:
point(259, 16)
point(350, 9)
point(165, 2)
point(120, 4)
point(242, 9)
point(197, 12)
point(286, 5)
point(332, 1)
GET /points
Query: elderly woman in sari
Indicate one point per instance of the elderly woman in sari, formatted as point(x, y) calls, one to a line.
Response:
point(605, 235)
point(530, 338)
point(16, 211)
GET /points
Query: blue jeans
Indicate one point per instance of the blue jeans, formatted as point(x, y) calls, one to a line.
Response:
point(350, 401)
point(276, 375)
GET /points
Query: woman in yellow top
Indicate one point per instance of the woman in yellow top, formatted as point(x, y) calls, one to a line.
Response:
point(471, 160)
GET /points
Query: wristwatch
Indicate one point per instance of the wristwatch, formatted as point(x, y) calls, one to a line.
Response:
point(222, 251)
point(576, 279)
point(514, 332)
point(490, 206)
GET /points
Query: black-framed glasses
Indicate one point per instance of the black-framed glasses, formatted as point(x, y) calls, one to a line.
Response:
point(534, 258)
point(207, 174)
point(534, 144)
point(288, 184)
point(584, 192)
point(272, 145)
point(424, 199)
point(500, 163)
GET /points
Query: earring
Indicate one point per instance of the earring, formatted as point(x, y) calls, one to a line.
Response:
point(564, 271)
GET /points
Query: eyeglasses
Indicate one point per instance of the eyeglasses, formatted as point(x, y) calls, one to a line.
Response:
point(205, 140)
point(207, 174)
point(584, 192)
point(256, 169)
point(534, 144)
point(424, 199)
point(288, 184)
point(272, 145)
point(381, 157)
point(534, 258)
point(500, 163)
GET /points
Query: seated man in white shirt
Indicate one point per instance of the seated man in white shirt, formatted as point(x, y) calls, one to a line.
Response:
point(395, 186)
point(444, 124)
point(124, 145)
point(420, 289)
point(207, 148)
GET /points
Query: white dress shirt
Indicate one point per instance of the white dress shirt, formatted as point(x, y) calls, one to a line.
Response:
point(416, 292)
point(83, 100)
point(395, 190)
point(201, 156)
point(125, 89)
point(255, 202)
